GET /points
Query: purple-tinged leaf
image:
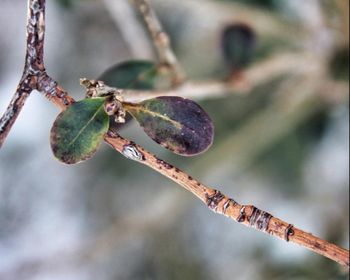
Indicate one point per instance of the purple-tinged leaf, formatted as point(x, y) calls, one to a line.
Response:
point(177, 124)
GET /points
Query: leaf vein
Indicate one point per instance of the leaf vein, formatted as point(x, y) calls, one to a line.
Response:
point(156, 114)
point(84, 127)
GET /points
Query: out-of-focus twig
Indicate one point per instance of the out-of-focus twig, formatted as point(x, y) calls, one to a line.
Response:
point(160, 39)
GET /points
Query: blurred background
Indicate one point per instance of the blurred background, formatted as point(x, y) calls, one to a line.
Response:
point(283, 147)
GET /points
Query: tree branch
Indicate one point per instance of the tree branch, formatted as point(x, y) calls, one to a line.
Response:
point(248, 215)
point(32, 66)
point(160, 39)
point(13, 109)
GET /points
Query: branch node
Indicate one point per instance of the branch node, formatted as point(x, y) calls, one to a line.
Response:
point(214, 200)
point(259, 219)
point(288, 232)
point(229, 203)
point(242, 215)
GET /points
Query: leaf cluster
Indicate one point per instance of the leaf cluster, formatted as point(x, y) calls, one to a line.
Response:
point(176, 123)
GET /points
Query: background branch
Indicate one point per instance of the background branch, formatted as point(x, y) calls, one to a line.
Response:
point(160, 39)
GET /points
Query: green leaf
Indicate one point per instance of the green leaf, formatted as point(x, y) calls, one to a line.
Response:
point(78, 131)
point(238, 44)
point(178, 124)
point(133, 74)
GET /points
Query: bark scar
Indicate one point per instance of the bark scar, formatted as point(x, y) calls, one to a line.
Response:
point(227, 204)
point(288, 232)
point(260, 219)
point(213, 200)
point(242, 215)
point(130, 151)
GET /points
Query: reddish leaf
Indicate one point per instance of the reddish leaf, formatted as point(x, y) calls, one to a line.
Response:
point(178, 124)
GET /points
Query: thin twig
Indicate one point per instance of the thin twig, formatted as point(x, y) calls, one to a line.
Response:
point(160, 39)
point(248, 215)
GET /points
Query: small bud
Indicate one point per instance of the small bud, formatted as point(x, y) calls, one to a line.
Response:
point(120, 118)
point(113, 107)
